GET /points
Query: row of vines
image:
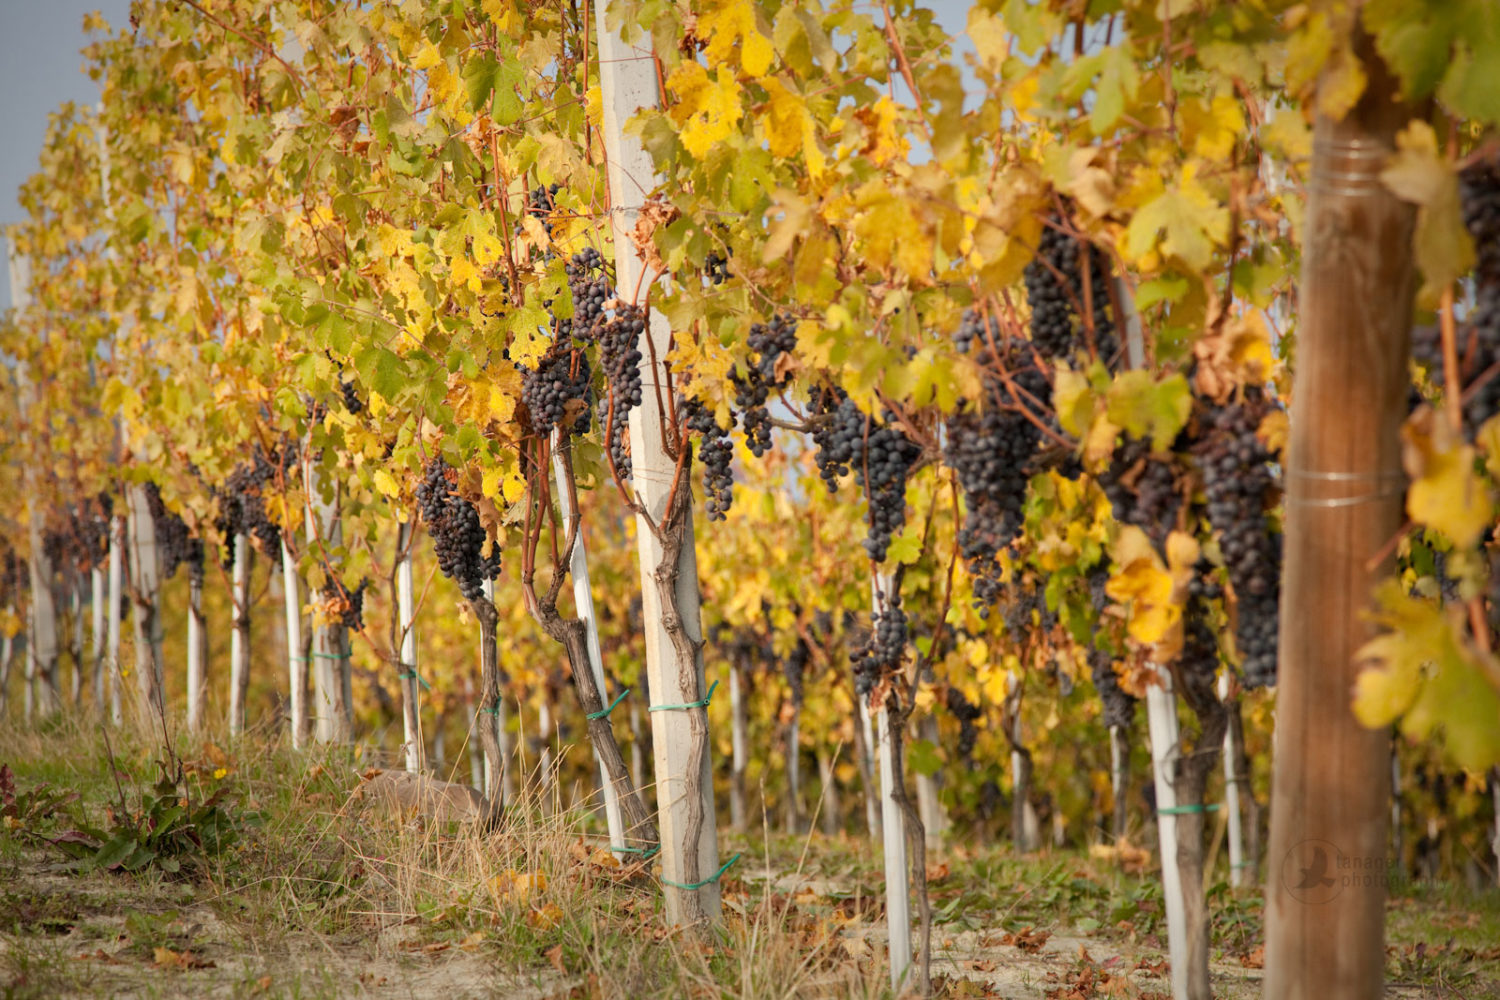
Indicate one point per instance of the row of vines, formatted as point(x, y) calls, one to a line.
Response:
point(971, 356)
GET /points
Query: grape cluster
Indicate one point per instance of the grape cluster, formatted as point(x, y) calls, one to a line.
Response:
point(457, 535)
point(883, 649)
point(242, 505)
point(1479, 188)
point(77, 536)
point(1055, 290)
point(716, 266)
point(195, 561)
point(880, 454)
point(716, 451)
point(769, 342)
point(794, 668)
point(1141, 487)
point(556, 392)
point(1025, 609)
point(352, 402)
point(590, 289)
point(541, 202)
point(1198, 662)
point(620, 356)
point(173, 540)
point(1119, 707)
point(350, 603)
point(1237, 477)
point(966, 712)
point(992, 445)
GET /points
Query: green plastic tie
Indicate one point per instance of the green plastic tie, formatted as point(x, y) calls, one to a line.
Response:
point(412, 675)
point(490, 711)
point(692, 704)
point(1196, 807)
point(1243, 864)
point(645, 852)
point(604, 713)
point(708, 881)
point(332, 656)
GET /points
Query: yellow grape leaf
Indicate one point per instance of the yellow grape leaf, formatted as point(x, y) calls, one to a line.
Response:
point(730, 22)
point(1213, 125)
point(487, 248)
point(465, 273)
point(789, 128)
point(1250, 346)
point(991, 40)
point(386, 483)
point(706, 110)
point(1446, 493)
point(1187, 223)
point(513, 488)
point(1420, 174)
point(489, 483)
point(1074, 400)
point(1424, 670)
point(1144, 586)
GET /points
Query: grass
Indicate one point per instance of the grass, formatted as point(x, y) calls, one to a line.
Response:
point(318, 898)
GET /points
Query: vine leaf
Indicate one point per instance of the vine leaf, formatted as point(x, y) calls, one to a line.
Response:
point(1446, 493)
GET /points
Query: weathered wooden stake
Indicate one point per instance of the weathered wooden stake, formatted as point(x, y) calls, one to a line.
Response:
point(1344, 488)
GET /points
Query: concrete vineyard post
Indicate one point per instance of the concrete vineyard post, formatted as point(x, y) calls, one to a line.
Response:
point(627, 82)
point(296, 658)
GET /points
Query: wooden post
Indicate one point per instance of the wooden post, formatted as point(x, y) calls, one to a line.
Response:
point(41, 640)
point(112, 602)
point(1119, 779)
point(738, 724)
point(75, 649)
point(934, 817)
point(96, 606)
point(864, 734)
point(1344, 490)
point(1161, 720)
point(295, 657)
point(689, 840)
point(583, 604)
point(897, 868)
point(196, 689)
point(332, 694)
point(239, 636)
point(411, 719)
point(145, 613)
point(1238, 868)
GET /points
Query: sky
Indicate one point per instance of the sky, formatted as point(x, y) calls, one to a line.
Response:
point(40, 68)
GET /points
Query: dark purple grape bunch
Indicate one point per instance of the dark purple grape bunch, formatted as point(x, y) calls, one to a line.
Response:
point(1119, 706)
point(884, 648)
point(966, 713)
point(1060, 297)
point(457, 534)
point(715, 451)
point(619, 340)
point(174, 543)
point(556, 392)
point(1238, 483)
point(541, 202)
